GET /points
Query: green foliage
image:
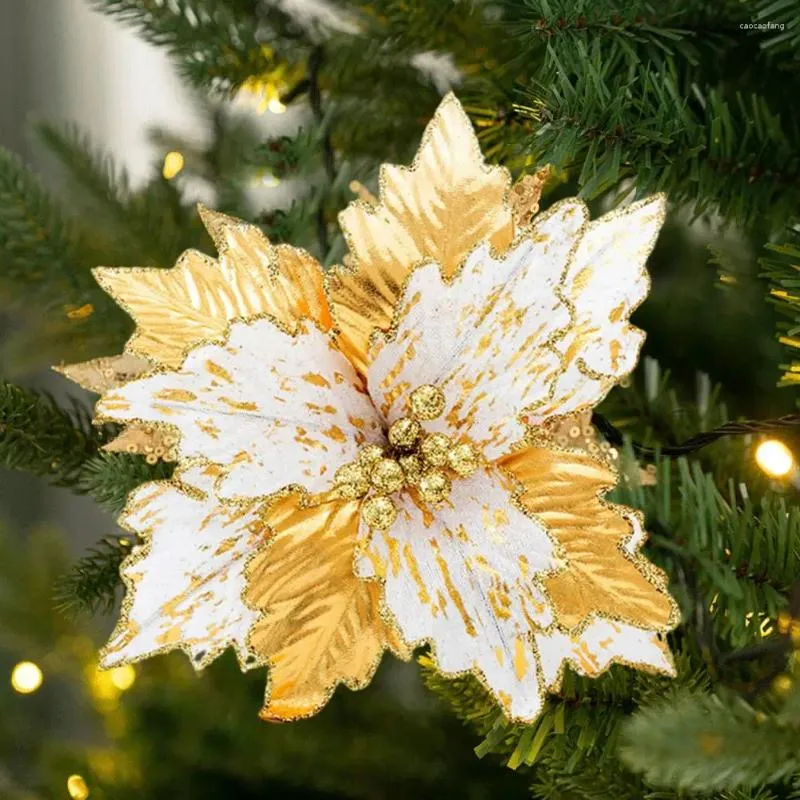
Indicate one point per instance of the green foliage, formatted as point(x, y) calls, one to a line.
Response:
point(213, 42)
point(781, 267)
point(35, 240)
point(787, 14)
point(91, 584)
point(110, 477)
point(37, 436)
point(705, 743)
point(633, 29)
point(712, 150)
point(150, 227)
point(46, 274)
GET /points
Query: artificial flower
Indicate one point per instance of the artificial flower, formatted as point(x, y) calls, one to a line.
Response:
point(377, 443)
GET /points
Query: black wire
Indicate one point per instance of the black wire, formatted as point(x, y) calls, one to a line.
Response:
point(614, 436)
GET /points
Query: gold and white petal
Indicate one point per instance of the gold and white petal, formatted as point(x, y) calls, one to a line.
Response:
point(275, 409)
point(463, 576)
point(194, 302)
point(486, 339)
point(601, 643)
point(605, 283)
point(605, 575)
point(318, 624)
point(439, 209)
point(185, 581)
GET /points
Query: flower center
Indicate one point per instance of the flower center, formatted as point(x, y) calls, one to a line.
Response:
point(414, 460)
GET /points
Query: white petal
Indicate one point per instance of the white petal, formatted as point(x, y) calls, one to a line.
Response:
point(274, 408)
point(185, 581)
point(602, 643)
point(462, 578)
point(484, 339)
point(606, 281)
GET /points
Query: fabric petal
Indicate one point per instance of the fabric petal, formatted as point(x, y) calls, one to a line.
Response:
point(275, 409)
point(602, 643)
point(486, 339)
point(101, 374)
point(319, 625)
point(605, 283)
point(184, 583)
point(437, 210)
point(464, 578)
point(177, 308)
point(605, 574)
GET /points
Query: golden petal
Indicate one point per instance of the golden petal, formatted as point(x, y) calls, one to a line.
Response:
point(101, 374)
point(564, 490)
point(526, 194)
point(438, 210)
point(320, 625)
point(154, 443)
point(177, 308)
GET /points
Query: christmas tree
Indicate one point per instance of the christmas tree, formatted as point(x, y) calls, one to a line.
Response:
point(609, 102)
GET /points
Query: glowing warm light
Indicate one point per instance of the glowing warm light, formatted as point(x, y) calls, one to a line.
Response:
point(26, 677)
point(264, 178)
point(775, 458)
point(173, 164)
point(275, 106)
point(123, 677)
point(77, 788)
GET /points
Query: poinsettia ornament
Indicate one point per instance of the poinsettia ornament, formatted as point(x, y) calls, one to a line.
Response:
point(369, 458)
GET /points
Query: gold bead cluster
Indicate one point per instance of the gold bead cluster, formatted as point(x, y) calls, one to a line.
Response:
point(412, 459)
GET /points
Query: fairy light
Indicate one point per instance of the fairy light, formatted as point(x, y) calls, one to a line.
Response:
point(266, 178)
point(77, 788)
point(26, 677)
point(173, 164)
point(775, 458)
point(123, 677)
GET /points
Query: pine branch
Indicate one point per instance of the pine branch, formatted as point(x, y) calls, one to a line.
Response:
point(110, 477)
point(781, 13)
point(781, 267)
point(46, 268)
point(214, 42)
point(37, 436)
point(637, 30)
point(712, 152)
point(708, 743)
point(147, 227)
point(37, 247)
point(91, 584)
